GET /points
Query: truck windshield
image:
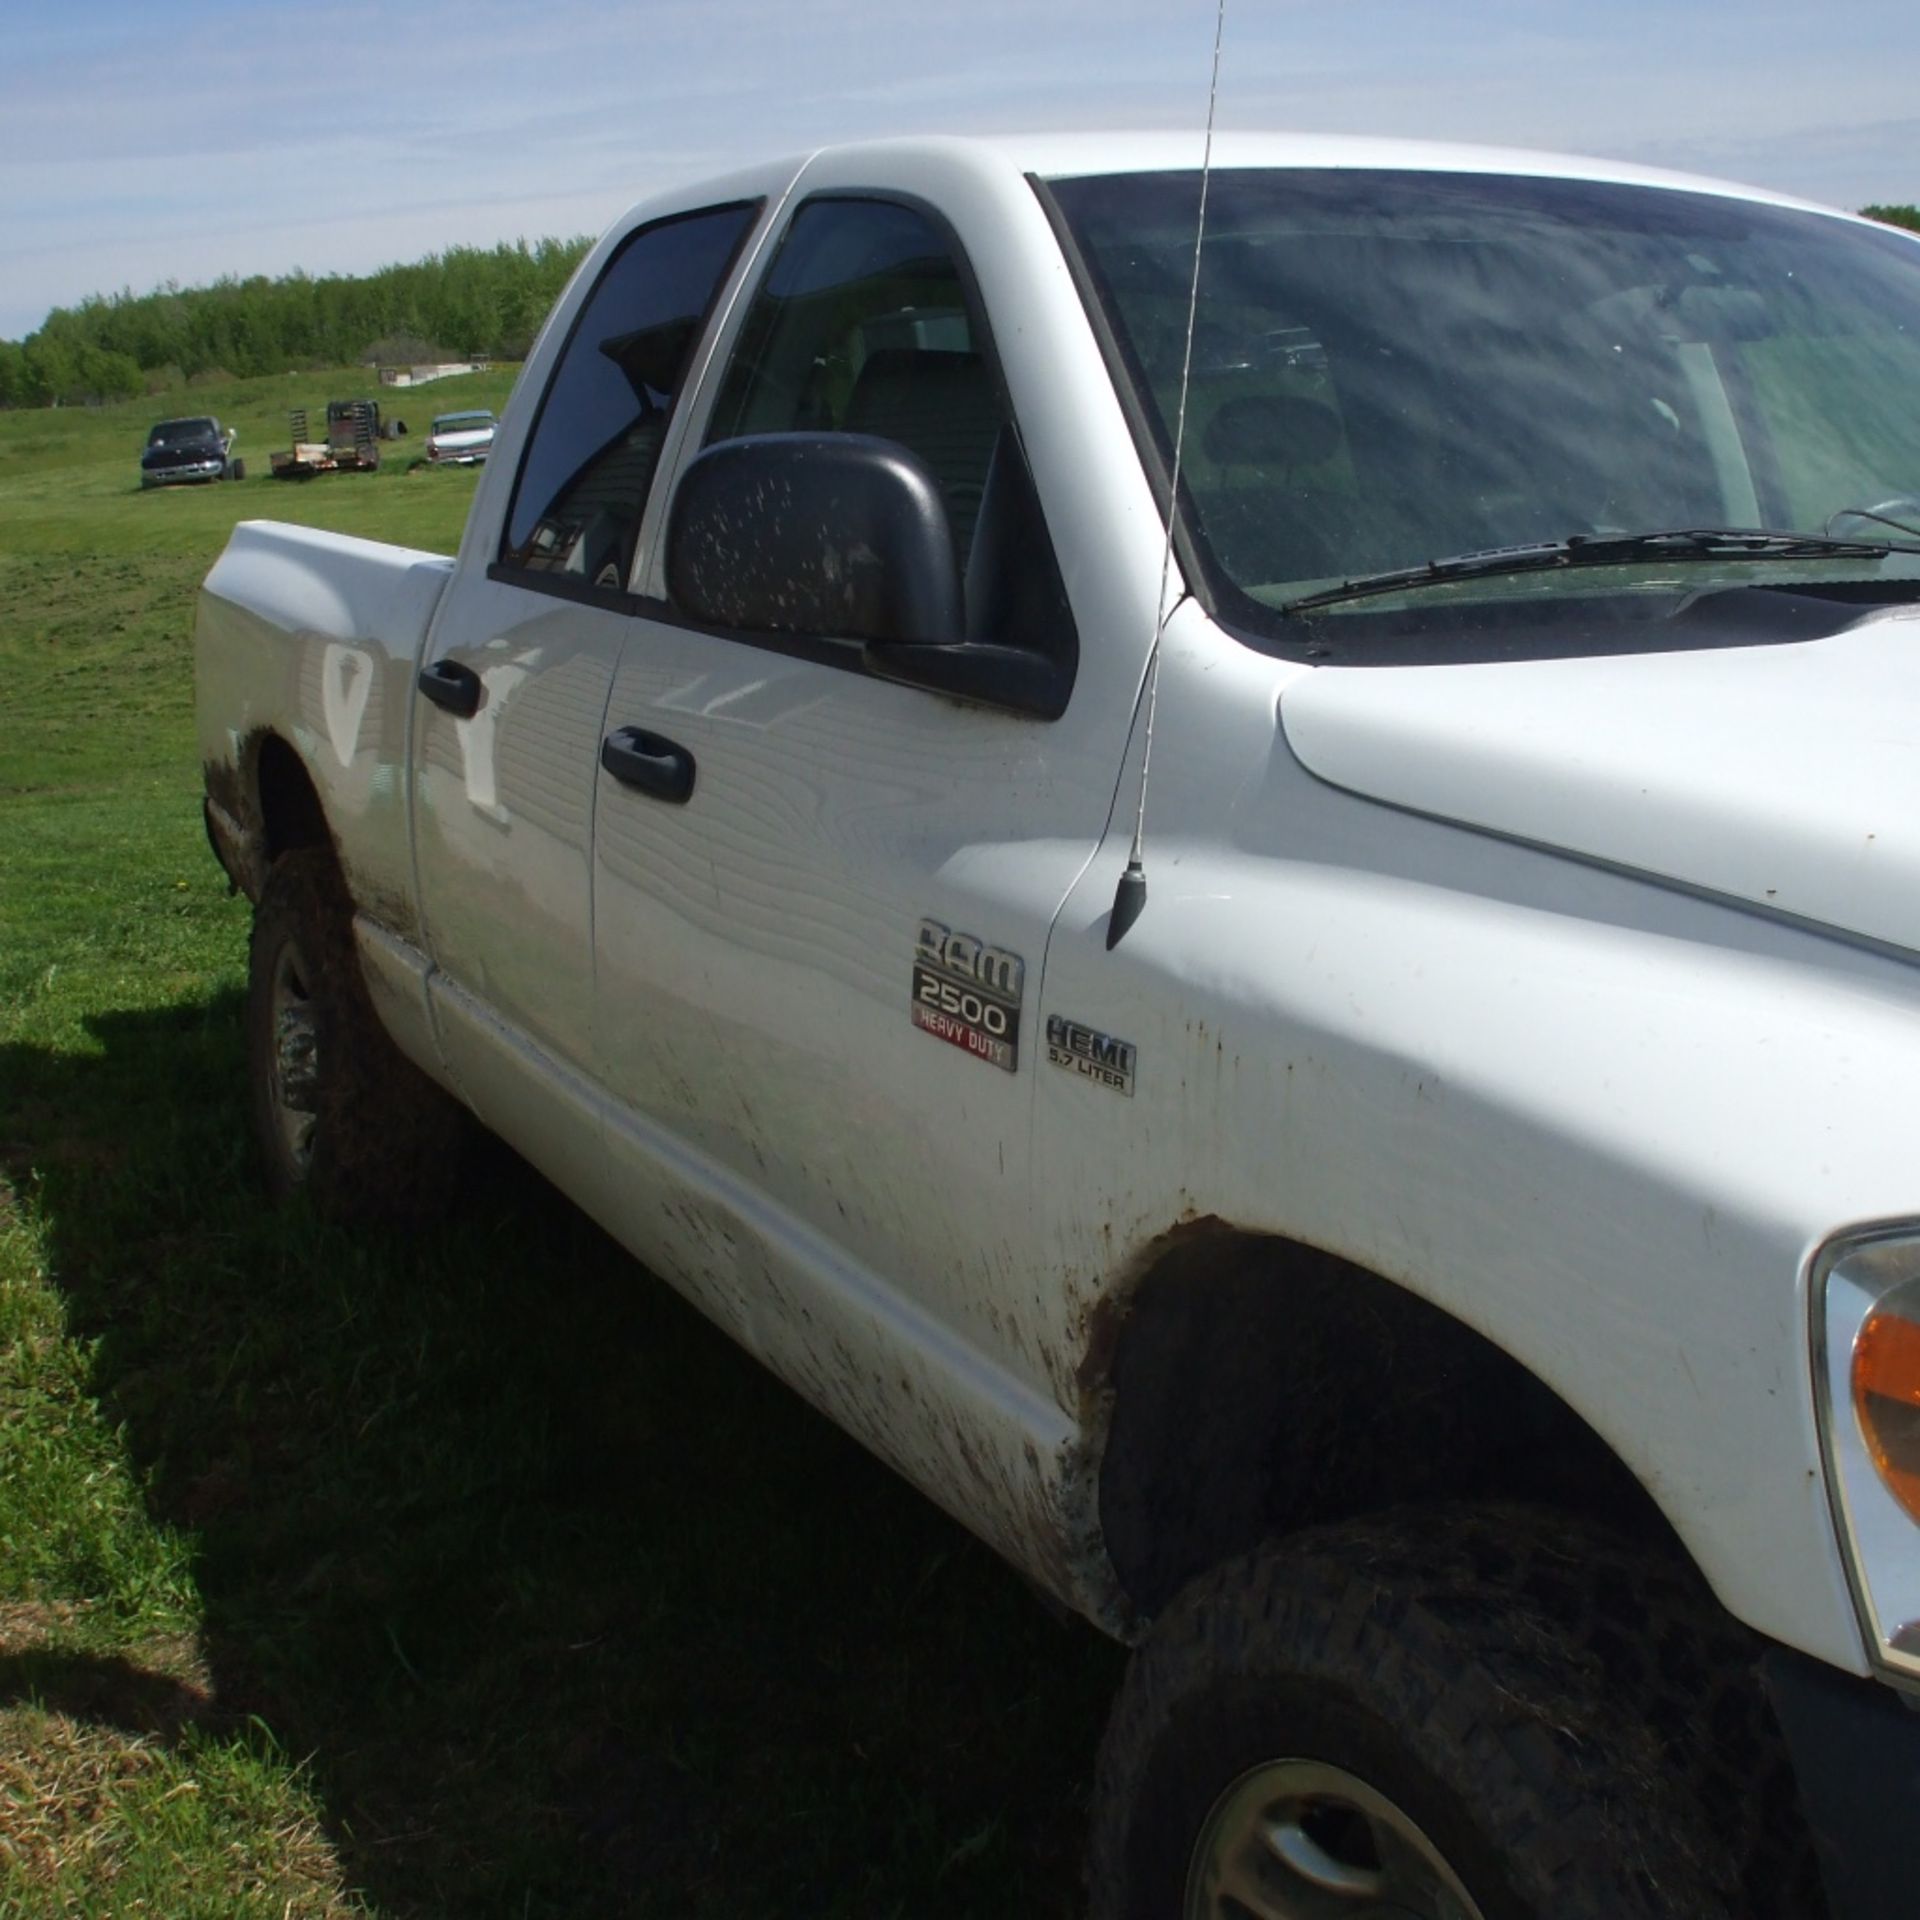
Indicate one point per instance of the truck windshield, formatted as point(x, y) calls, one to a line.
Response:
point(1391, 368)
point(169, 431)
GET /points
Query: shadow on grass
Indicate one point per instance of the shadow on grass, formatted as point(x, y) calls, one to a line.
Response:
point(103, 1689)
point(574, 1609)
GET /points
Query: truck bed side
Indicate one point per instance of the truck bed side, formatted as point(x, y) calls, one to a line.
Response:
point(306, 644)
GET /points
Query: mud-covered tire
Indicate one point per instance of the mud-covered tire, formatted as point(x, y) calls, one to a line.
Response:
point(1571, 1722)
point(339, 1113)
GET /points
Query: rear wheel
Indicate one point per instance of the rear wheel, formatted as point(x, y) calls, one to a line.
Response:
point(339, 1112)
point(1456, 1715)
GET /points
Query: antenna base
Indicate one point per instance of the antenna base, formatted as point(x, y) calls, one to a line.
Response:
point(1129, 902)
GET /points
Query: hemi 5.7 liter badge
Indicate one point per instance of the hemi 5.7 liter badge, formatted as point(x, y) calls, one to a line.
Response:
point(1098, 1057)
point(968, 994)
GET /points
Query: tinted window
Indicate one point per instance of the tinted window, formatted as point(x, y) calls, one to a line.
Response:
point(864, 325)
point(583, 484)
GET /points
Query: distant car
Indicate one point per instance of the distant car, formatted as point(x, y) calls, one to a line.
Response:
point(182, 450)
point(461, 439)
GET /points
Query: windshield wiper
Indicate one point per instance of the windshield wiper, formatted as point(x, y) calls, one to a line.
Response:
point(1607, 550)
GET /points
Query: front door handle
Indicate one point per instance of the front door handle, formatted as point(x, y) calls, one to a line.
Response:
point(448, 684)
point(645, 760)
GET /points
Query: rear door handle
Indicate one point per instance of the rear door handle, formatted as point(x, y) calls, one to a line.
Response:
point(645, 760)
point(448, 684)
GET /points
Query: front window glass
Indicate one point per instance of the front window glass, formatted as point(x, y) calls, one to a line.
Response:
point(863, 324)
point(1392, 368)
point(583, 485)
point(169, 431)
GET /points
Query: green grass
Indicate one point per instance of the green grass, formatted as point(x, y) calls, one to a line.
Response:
point(469, 1574)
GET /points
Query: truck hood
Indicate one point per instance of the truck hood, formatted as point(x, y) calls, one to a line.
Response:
point(177, 453)
point(1786, 775)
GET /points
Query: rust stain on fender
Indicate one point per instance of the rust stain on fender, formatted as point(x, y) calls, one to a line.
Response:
point(1093, 1584)
point(234, 824)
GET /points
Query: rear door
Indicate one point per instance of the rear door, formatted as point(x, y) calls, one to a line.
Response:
point(521, 661)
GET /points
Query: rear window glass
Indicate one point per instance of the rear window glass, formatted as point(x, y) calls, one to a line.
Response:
point(583, 484)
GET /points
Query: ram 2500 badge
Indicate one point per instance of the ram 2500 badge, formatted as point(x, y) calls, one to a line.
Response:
point(1445, 1279)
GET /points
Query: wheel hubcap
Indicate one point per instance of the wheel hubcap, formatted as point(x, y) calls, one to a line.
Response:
point(294, 1070)
point(1302, 1840)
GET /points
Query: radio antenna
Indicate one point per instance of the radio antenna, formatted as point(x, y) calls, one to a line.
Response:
point(1130, 896)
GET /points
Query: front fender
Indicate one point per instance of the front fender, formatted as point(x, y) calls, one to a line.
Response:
point(1601, 1122)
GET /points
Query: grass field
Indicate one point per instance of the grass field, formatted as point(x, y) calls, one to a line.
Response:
point(468, 1574)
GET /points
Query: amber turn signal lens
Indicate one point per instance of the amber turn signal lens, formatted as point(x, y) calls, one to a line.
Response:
point(1886, 1392)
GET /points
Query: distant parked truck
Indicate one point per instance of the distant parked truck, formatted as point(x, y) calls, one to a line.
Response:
point(189, 450)
point(460, 439)
point(352, 443)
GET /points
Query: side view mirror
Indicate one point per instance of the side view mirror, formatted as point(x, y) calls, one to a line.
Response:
point(837, 535)
point(841, 536)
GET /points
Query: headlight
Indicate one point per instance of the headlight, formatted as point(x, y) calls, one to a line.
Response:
point(1867, 1371)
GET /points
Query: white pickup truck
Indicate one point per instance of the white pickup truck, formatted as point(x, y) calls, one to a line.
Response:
point(1430, 1249)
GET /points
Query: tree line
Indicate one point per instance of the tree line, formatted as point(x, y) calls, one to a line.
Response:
point(467, 300)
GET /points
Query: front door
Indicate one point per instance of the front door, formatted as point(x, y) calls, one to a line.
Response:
point(818, 971)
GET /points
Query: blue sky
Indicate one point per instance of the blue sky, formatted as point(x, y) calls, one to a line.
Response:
point(147, 140)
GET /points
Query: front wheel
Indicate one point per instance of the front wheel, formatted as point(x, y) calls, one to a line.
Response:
point(339, 1113)
point(1457, 1715)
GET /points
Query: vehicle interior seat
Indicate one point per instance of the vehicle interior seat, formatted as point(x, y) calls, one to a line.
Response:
point(596, 519)
point(941, 405)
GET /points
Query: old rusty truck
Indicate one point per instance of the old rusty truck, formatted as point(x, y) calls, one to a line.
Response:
point(1251, 893)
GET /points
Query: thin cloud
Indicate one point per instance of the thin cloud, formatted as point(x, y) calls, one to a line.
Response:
point(147, 140)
